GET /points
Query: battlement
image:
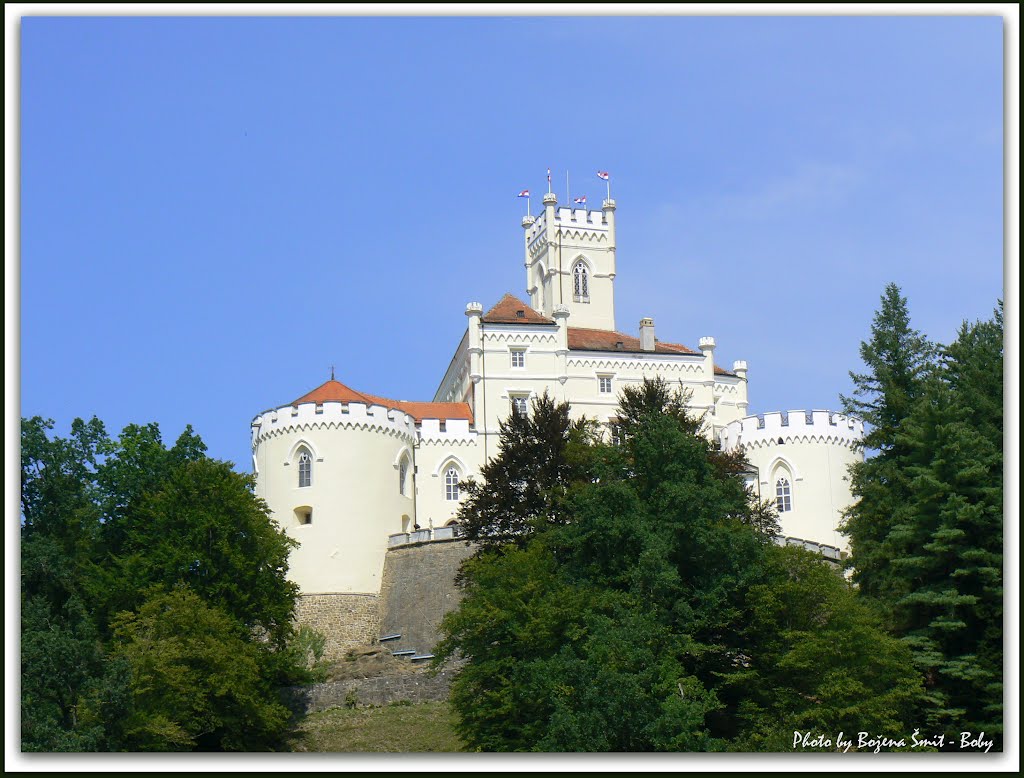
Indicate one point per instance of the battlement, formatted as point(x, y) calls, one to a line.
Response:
point(793, 426)
point(448, 429)
point(307, 415)
point(568, 217)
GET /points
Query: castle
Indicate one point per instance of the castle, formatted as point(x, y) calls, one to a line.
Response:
point(357, 478)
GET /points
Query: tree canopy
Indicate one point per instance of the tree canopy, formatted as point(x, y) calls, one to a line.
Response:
point(643, 612)
point(156, 614)
point(926, 526)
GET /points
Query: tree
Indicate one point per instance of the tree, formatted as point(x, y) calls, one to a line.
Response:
point(819, 660)
point(522, 487)
point(622, 621)
point(950, 538)
point(898, 359)
point(110, 527)
point(197, 680)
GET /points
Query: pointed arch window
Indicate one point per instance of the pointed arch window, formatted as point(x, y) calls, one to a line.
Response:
point(580, 283)
point(403, 473)
point(451, 484)
point(305, 468)
point(783, 495)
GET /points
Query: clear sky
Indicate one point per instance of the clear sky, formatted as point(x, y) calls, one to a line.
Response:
point(216, 210)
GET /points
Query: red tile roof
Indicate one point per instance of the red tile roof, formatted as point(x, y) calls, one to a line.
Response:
point(335, 391)
point(582, 339)
point(511, 310)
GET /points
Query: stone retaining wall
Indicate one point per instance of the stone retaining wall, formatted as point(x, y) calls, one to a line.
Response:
point(345, 620)
point(420, 686)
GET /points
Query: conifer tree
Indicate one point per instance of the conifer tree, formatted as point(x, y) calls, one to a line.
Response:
point(898, 358)
point(950, 537)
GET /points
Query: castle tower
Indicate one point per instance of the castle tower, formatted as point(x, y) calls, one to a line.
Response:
point(570, 261)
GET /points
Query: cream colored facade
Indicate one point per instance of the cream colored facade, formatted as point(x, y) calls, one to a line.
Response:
point(380, 473)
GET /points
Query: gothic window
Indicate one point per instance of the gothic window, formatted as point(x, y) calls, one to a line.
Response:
point(580, 283)
point(518, 357)
point(783, 496)
point(451, 484)
point(403, 472)
point(305, 468)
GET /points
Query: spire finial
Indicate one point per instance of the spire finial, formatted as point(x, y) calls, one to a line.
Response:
point(332, 372)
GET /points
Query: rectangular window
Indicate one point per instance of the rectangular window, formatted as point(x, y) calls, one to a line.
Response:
point(614, 433)
point(518, 357)
point(605, 384)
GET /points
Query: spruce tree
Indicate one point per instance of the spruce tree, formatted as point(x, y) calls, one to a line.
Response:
point(951, 535)
point(898, 358)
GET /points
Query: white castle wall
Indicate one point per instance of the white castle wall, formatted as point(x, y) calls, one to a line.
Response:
point(555, 240)
point(354, 495)
point(457, 445)
point(813, 450)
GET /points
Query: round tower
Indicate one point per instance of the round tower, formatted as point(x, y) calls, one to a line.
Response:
point(802, 461)
point(337, 472)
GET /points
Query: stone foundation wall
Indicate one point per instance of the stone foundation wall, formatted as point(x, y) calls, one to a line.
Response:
point(418, 589)
point(413, 687)
point(345, 620)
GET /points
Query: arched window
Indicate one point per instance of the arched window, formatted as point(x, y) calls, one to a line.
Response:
point(451, 484)
point(783, 495)
point(305, 468)
point(403, 472)
point(580, 283)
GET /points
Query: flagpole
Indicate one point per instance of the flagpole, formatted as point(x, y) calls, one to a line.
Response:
point(528, 209)
point(549, 180)
point(568, 194)
point(609, 182)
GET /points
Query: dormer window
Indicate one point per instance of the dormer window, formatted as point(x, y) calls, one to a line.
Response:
point(520, 314)
point(580, 283)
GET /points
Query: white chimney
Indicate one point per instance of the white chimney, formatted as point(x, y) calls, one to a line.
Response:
point(647, 334)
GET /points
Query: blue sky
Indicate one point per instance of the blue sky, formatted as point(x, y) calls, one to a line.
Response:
point(216, 210)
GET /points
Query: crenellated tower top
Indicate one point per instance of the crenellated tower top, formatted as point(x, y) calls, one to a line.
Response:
point(570, 261)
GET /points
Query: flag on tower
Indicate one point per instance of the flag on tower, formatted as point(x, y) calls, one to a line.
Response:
point(524, 193)
point(549, 175)
point(602, 174)
point(580, 200)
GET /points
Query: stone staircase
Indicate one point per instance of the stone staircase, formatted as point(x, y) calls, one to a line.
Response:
point(401, 651)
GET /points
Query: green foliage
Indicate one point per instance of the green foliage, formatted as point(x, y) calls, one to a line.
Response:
point(819, 660)
point(926, 529)
point(898, 359)
point(624, 621)
point(525, 483)
point(197, 680)
point(112, 527)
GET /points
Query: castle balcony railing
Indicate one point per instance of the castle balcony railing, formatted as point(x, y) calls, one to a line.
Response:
point(450, 532)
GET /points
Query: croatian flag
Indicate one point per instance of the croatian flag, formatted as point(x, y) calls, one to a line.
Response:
point(602, 174)
point(580, 200)
point(524, 193)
